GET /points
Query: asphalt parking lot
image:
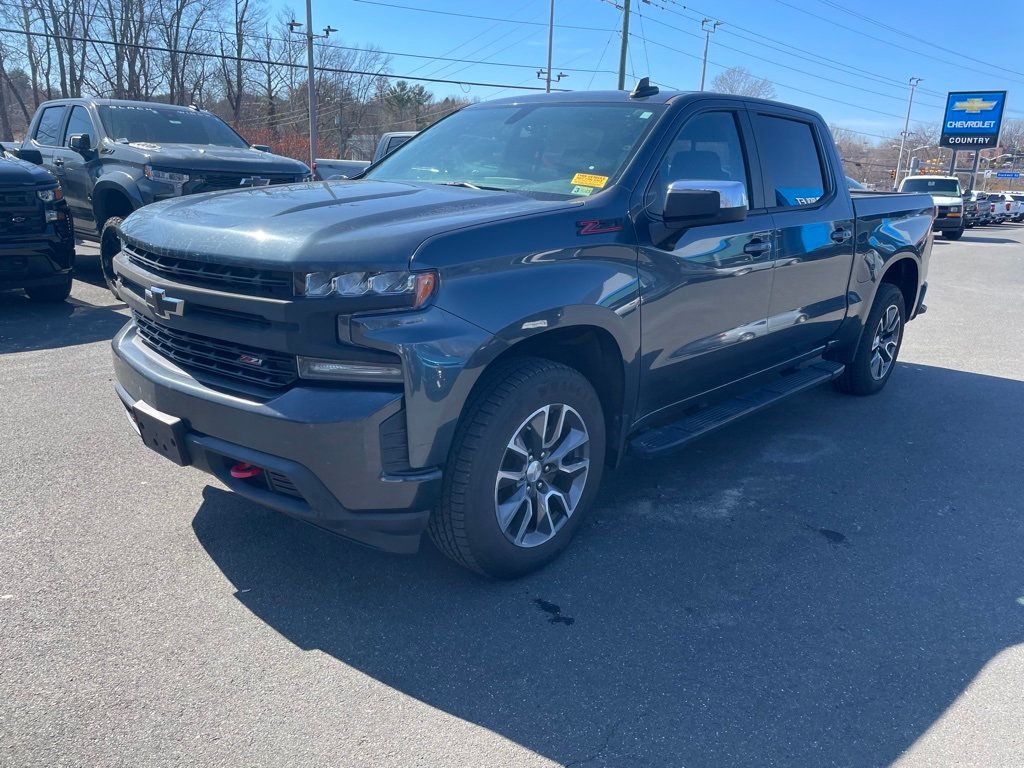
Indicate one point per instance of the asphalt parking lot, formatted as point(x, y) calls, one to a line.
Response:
point(837, 581)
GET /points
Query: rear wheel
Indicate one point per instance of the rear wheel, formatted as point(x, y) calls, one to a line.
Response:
point(879, 346)
point(48, 294)
point(953, 234)
point(523, 470)
point(110, 246)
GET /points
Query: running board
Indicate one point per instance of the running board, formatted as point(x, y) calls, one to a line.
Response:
point(669, 437)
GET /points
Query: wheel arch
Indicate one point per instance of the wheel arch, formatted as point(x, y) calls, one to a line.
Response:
point(904, 272)
point(110, 197)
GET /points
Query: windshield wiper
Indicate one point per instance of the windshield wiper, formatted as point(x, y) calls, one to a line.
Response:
point(471, 185)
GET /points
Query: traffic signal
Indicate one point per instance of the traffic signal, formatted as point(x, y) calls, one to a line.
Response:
point(892, 174)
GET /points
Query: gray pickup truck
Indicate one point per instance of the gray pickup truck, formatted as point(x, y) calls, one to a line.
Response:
point(328, 169)
point(112, 157)
point(465, 338)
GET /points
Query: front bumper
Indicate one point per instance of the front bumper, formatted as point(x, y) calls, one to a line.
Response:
point(43, 260)
point(947, 224)
point(324, 446)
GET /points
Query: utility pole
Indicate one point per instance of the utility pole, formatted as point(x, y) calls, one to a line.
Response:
point(293, 25)
point(906, 127)
point(551, 42)
point(625, 45)
point(545, 74)
point(707, 39)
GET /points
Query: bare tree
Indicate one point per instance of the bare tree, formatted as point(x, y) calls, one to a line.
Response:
point(740, 81)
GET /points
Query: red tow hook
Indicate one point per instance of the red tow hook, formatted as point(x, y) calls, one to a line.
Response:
point(243, 470)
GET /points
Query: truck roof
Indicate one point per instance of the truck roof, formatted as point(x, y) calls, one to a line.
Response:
point(663, 96)
point(110, 102)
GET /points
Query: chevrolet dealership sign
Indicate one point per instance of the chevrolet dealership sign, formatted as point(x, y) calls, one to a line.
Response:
point(973, 119)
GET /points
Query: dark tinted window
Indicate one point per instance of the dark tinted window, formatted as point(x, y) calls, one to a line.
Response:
point(948, 187)
point(792, 164)
point(79, 123)
point(48, 132)
point(707, 147)
point(396, 141)
point(166, 125)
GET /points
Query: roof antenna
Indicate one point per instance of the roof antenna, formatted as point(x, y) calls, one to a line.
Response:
point(643, 88)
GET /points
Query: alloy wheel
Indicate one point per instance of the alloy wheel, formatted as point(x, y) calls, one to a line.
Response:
point(886, 342)
point(542, 475)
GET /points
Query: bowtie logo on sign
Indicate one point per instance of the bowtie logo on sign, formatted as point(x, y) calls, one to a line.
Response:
point(973, 120)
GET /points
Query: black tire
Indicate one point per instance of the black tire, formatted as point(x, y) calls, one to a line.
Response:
point(110, 245)
point(953, 234)
point(465, 524)
point(51, 294)
point(858, 378)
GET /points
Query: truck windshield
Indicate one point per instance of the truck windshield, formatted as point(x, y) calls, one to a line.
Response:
point(934, 186)
point(557, 150)
point(163, 125)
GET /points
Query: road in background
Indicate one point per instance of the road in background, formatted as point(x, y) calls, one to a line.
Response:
point(836, 581)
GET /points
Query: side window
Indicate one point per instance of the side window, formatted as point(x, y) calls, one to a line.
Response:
point(708, 146)
point(790, 160)
point(79, 122)
point(48, 131)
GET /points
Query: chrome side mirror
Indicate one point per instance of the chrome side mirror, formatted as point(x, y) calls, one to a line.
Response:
point(699, 202)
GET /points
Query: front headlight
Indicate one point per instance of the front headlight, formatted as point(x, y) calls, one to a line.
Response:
point(350, 370)
point(167, 177)
point(954, 209)
point(50, 195)
point(416, 287)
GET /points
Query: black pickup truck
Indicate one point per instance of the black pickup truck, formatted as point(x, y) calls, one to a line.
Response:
point(113, 157)
point(37, 242)
point(462, 340)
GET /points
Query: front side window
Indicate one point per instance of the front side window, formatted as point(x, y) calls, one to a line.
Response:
point(708, 147)
point(79, 124)
point(791, 161)
point(556, 151)
point(153, 124)
point(48, 131)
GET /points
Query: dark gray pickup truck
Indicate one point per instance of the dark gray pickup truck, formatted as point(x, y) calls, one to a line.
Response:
point(113, 157)
point(461, 341)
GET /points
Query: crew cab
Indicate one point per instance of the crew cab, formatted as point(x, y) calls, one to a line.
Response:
point(37, 244)
point(113, 157)
point(462, 340)
point(949, 202)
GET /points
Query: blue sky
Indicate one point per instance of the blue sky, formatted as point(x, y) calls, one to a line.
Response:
point(850, 65)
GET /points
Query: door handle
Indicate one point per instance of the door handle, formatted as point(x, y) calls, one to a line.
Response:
point(841, 235)
point(58, 161)
point(757, 247)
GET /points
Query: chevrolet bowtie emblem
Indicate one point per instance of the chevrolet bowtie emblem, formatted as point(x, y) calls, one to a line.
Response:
point(973, 106)
point(163, 305)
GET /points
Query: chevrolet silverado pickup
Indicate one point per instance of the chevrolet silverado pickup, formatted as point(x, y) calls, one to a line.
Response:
point(113, 156)
point(464, 339)
point(37, 244)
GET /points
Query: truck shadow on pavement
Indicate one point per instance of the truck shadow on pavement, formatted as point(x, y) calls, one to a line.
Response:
point(814, 586)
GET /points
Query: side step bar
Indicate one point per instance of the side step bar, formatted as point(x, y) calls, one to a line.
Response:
point(669, 437)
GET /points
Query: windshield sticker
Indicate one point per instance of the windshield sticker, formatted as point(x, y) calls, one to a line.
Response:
point(645, 115)
point(585, 191)
point(589, 180)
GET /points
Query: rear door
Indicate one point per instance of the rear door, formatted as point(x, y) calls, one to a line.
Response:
point(705, 290)
point(46, 137)
point(814, 230)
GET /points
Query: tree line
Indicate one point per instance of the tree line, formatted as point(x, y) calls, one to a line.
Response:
point(238, 58)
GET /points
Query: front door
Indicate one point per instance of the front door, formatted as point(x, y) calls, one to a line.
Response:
point(46, 138)
point(78, 167)
point(704, 290)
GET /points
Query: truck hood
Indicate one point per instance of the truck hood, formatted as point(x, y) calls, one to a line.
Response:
point(19, 173)
point(319, 225)
point(947, 200)
point(210, 158)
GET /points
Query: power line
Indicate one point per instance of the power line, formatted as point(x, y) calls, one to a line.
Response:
point(251, 60)
point(474, 16)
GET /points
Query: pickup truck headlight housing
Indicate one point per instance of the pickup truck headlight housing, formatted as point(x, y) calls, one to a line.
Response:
point(175, 178)
point(409, 289)
point(50, 195)
point(954, 209)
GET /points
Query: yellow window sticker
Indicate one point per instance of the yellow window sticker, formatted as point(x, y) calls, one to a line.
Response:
point(589, 180)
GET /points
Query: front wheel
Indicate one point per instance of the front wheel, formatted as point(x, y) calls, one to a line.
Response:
point(110, 246)
point(879, 346)
point(51, 294)
point(953, 234)
point(523, 469)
